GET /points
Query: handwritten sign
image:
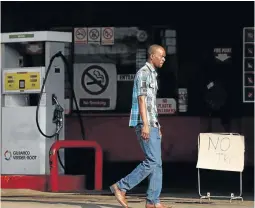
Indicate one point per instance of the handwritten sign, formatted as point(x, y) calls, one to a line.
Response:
point(221, 152)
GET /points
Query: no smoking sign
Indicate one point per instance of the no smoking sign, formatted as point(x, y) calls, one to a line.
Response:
point(95, 80)
point(107, 35)
point(95, 86)
point(80, 35)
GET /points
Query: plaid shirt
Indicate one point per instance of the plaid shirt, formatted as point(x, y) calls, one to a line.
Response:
point(145, 83)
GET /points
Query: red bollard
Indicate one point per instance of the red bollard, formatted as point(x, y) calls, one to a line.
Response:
point(75, 144)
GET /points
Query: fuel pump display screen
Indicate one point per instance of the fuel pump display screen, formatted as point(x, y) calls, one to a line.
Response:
point(22, 81)
point(21, 84)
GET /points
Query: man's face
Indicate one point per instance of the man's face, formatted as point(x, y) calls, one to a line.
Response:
point(158, 58)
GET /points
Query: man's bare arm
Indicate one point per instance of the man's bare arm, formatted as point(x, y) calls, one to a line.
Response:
point(142, 110)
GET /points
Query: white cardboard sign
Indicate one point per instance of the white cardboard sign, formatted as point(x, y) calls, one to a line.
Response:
point(223, 152)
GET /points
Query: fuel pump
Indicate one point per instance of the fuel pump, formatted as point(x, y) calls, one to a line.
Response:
point(32, 99)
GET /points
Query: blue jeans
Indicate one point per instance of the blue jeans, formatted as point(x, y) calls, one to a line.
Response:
point(151, 167)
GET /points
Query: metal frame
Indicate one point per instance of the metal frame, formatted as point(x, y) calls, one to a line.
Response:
point(208, 194)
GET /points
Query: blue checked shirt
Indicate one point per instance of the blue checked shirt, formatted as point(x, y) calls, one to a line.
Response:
point(145, 83)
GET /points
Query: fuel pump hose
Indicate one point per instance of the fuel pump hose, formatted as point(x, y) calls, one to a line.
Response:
point(57, 111)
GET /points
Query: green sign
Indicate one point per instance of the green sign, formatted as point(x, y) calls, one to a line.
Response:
point(21, 36)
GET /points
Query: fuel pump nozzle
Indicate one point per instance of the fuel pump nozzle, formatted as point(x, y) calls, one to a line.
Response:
point(57, 114)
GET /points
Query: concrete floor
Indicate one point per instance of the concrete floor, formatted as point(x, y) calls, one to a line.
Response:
point(34, 199)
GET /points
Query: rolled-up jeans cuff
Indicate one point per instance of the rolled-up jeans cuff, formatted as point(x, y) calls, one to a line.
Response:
point(118, 185)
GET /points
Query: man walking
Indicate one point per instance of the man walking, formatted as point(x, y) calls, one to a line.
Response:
point(144, 118)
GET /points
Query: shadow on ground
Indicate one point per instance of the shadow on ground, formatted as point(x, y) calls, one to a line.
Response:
point(82, 205)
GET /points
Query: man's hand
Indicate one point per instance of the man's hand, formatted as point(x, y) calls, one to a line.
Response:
point(145, 132)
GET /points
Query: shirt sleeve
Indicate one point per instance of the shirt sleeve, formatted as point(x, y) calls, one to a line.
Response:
point(142, 83)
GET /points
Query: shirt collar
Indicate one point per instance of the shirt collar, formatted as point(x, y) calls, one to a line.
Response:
point(151, 68)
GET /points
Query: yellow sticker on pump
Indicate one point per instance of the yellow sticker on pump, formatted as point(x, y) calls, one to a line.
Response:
point(23, 81)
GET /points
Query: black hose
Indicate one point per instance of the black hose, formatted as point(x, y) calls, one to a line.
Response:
point(40, 97)
point(73, 95)
point(56, 134)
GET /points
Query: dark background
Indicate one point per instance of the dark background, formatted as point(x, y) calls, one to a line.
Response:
point(200, 26)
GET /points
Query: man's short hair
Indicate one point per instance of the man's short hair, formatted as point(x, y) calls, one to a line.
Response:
point(152, 49)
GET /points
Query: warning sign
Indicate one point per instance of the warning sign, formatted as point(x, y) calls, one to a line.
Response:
point(81, 35)
point(166, 105)
point(249, 94)
point(94, 35)
point(248, 65)
point(223, 54)
point(95, 86)
point(94, 80)
point(107, 36)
